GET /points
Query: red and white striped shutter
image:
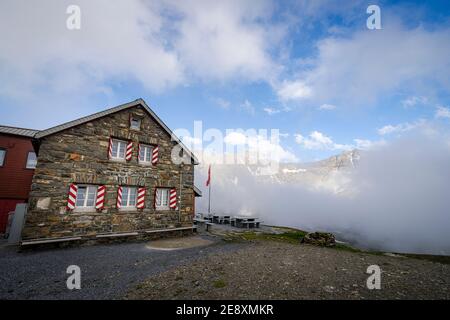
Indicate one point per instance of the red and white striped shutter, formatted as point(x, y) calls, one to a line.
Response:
point(155, 198)
point(140, 203)
point(72, 198)
point(100, 203)
point(119, 198)
point(139, 152)
point(155, 155)
point(173, 199)
point(110, 148)
point(129, 152)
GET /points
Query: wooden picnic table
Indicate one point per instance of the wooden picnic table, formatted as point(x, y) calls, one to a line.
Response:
point(246, 222)
point(224, 219)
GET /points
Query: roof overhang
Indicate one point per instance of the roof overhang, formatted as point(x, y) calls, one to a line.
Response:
point(197, 191)
point(15, 131)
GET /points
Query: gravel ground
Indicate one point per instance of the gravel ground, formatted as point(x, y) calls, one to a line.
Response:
point(274, 270)
point(107, 271)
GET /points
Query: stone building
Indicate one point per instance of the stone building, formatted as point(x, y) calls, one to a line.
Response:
point(116, 173)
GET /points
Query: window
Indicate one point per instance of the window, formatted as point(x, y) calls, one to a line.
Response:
point(2, 157)
point(128, 197)
point(86, 196)
point(145, 153)
point(135, 124)
point(118, 149)
point(162, 198)
point(31, 160)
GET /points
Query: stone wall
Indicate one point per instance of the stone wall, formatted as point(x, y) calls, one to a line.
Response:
point(80, 155)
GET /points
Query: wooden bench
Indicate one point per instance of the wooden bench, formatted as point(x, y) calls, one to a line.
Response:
point(204, 223)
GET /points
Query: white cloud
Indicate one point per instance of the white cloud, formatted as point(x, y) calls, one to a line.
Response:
point(360, 68)
point(365, 144)
point(158, 44)
point(257, 146)
point(221, 39)
point(293, 90)
point(414, 100)
point(248, 107)
point(224, 104)
point(319, 141)
point(271, 111)
point(442, 112)
point(235, 138)
point(326, 106)
point(116, 41)
point(270, 149)
point(400, 128)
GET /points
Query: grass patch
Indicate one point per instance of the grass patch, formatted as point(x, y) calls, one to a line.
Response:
point(346, 247)
point(428, 257)
point(294, 236)
point(289, 237)
point(219, 284)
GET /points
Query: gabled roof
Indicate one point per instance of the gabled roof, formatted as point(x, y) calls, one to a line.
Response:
point(29, 133)
point(137, 102)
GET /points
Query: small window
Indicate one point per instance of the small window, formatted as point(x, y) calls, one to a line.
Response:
point(86, 196)
point(128, 197)
point(135, 124)
point(145, 153)
point(31, 160)
point(162, 198)
point(118, 149)
point(2, 157)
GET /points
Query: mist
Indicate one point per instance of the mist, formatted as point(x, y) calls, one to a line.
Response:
point(397, 198)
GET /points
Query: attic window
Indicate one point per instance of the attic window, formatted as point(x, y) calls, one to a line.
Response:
point(135, 123)
point(31, 160)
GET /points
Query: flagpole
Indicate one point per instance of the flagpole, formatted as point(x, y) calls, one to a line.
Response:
point(209, 198)
point(208, 184)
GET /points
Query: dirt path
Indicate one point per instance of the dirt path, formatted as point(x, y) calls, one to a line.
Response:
point(276, 270)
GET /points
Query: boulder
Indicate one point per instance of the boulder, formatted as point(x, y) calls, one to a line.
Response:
point(323, 239)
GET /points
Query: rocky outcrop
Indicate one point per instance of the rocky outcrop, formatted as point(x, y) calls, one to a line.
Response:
point(323, 239)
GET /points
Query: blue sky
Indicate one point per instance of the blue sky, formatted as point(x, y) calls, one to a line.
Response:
point(311, 69)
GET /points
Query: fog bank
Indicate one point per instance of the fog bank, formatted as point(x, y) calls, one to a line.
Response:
point(398, 198)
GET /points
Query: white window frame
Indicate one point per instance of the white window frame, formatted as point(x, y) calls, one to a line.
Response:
point(126, 202)
point(28, 166)
point(117, 155)
point(161, 206)
point(2, 159)
point(139, 122)
point(146, 146)
point(85, 207)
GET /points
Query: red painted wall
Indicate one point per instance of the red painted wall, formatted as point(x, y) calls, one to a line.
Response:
point(15, 179)
point(6, 206)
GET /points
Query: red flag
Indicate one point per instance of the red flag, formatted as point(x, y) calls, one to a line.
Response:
point(209, 176)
